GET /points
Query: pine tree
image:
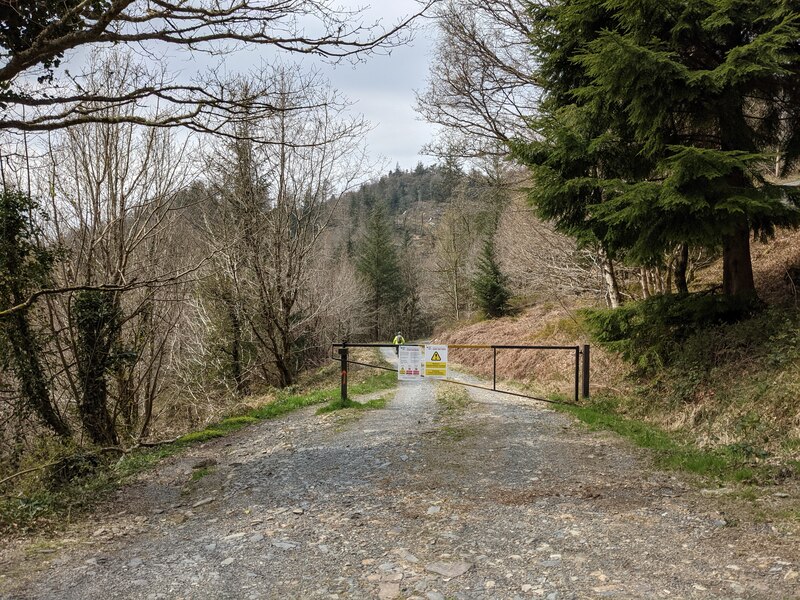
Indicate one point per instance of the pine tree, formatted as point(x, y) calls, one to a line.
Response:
point(490, 284)
point(695, 97)
point(577, 145)
point(378, 264)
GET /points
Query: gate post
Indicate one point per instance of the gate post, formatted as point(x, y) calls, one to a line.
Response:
point(577, 371)
point(586, 370)
point(494, 368)
point(343, 356)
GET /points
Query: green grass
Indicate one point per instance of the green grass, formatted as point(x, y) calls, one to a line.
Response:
point(198, 474)
point(452, 398)
point(457, 433)
point(731, 463)
point(196, 437)
point(339, 404)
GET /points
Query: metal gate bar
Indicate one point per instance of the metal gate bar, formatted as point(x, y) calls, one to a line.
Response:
point(579, 375)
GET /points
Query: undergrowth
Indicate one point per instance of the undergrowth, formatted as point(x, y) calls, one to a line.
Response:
point(731, 463)
point(38, 502)
point(724, 375)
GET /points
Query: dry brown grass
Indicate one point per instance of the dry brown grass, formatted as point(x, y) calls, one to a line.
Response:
point(776, 268)
point(545, 372)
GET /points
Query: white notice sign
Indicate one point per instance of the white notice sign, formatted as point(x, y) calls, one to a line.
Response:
point(409, 363)
point(436, 362)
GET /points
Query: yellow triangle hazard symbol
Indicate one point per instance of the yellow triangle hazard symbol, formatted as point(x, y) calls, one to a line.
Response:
point(436, 357)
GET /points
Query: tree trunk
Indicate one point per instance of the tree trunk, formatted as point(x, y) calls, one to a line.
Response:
point(613, 297)
point(283, 356)
point(645, 284)
point(127, 402)
point(31, 375)
point(97, 319)
point(658, 280)
point(737, 268)
point(94, 411)
point(236, 346)
point(681, 266)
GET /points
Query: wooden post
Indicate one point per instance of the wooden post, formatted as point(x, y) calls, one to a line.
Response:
point(343, 356)
point(494, 368)
point(586, 371)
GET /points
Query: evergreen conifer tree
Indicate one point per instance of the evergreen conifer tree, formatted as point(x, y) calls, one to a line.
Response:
point(490, 284)
point(659, 122)
point(378, 264)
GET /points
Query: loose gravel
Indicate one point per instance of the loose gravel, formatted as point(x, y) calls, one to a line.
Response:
point(501, 499)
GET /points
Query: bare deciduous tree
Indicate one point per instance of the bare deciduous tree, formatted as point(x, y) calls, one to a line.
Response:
point(114, 191)
point(547, 262)
point(277, 199)
point(481, 86)
point(456, 237)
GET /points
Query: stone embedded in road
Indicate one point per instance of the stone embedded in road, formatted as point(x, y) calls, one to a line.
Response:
point(388, 591)
point(548, 564)
point(448, 569)
point(227, 561)
point(203, 502)
point(178, 518)
point(405, 555)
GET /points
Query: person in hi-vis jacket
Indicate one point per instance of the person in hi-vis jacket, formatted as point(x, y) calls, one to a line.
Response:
point(397, 341)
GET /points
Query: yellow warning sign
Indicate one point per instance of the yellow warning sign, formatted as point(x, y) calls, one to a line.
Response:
point(435, 369)
point(436, 361)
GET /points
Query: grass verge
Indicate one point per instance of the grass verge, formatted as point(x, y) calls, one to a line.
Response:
point(732, 463)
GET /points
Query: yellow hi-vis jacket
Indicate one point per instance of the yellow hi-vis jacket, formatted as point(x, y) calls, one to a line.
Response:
point(398, 339)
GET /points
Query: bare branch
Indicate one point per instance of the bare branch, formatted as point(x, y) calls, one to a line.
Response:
point(481, 85)
point(215, 27)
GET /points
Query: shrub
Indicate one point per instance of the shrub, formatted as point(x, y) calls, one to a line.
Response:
point(652, 333)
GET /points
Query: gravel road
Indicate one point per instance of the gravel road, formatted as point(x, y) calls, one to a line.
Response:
point(501, 499)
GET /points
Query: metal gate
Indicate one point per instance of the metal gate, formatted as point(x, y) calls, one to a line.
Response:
point(581, 366)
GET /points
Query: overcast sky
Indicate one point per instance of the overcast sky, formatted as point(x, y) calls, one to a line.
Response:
point(382, 89)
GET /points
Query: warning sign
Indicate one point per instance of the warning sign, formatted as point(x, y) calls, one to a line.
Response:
point(409, 363)
point(436, 362)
